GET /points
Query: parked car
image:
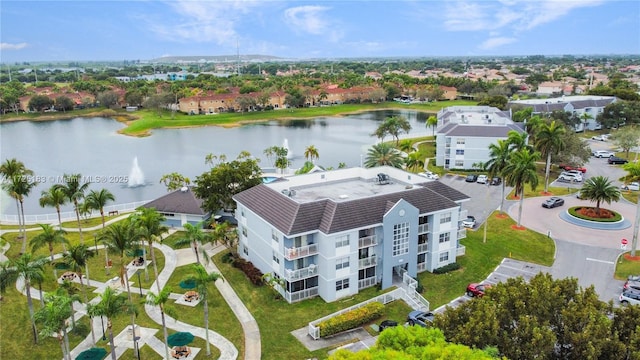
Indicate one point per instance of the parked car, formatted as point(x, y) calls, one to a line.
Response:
point(471, 178)
point(475, 289)
point(387, 324)
point(633, 277)
point(603, 153)
point(571, 176)
point(482, 179)
point(552, 202)
point(617, 160)
point(631, 284)
point(630, 297)
point(496, 181)
point(603, 137)
point(569, 167)
point(420, 318)
point(429, 175)
point(469, 222)
point(634, 186)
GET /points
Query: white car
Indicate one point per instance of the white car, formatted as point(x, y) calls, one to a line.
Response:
point(603, 137)
point(429, 175)
point(469, 222)
point(603, 153)
point(634, 186)
point(482, 179)
point(630, 297)
point(572, 176)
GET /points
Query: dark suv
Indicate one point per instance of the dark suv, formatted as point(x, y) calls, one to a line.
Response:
point(617, 160)
point(420, 318)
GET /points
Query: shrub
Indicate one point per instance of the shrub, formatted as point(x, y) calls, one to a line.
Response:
point(578, 211)
point(351, 319)
point(253, 273)
point(447, 268)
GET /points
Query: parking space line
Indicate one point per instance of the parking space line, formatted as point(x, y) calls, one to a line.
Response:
point(601, 261)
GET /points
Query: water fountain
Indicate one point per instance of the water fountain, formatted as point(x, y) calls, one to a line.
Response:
point(136, 176)
point(285, 145)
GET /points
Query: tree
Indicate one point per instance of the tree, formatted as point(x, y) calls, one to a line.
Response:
point(159, 102)
point(18, 187)
point(627, 138)
point(194, 236)
point(521, 170)
point(9, 169)
point(585, 117)
point(549, 140)
point(518, 140)
point(217, 186)
point(432, 122)
point(160, 300)
point(499, 154)
point(107, 98)
point(498, 101)
point(133, 98)
point(64, 103)
point(394, 126)
point(77, 258)
point(30, 269)
point(414, 161)
point(202, 279)
point(598, 189)
point(281, 159)
point(53, 317)
point(40, 102)
point(576, 151)
point(53, 197)
point(245, 102)
point(311, 153)
point(74, 190)
point(174, 181)
point(111, 305)
point(48, 237)
point(383, 154)
point(150, 227)
point(225, 234)
point(70, 290)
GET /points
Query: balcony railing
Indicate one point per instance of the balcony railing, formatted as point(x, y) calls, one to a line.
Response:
point(367, 241)
point(462, 233)
point(461, 250)
point(300, 252)
point(365, 283)
point(424, 247)
point(423, 228)
point(293, 275)
point(367, 262)
point(301, 295)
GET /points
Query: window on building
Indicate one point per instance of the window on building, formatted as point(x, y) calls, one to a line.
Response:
point(422, 258)
point(274, 235)
point(444, 237)
point(400, 239)
point(342, 241)
point(245, 250)
point(444, 256)
point(342, 263)
point(367, 273)
point(275, 258)
point(460, 141)
point(242, 212)
point(445, 218)
point(244, 231)
point(459, 163)
point(459, 151)
point(342, 284)
point(423, 238)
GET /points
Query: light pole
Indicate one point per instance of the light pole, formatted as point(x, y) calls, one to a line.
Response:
point(102, 321)
point(137, 346)
point(361, 160)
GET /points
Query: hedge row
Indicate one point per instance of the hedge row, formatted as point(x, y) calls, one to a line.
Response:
point(252, 272)
point(352, 319)
point(447, 268)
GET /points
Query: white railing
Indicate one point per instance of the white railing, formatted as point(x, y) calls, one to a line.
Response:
point(422, 267)
point(367, 241)
point(70, 215)
point(367, 262)
point(293, 275)
point(296, 253)
point(314, 330)
point(413, 298)
point(423, 247)
point(301, 295)
point(462, 233)
point(365, 283)
point(423, 228)
point(461, 250)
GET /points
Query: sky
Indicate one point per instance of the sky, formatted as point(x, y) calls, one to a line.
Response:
point(86, 30)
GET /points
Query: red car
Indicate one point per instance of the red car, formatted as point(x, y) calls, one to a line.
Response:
point(477, 290)
point(569, 167)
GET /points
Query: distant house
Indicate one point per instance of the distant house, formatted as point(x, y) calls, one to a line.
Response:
point(180, 207)
point(449, 92)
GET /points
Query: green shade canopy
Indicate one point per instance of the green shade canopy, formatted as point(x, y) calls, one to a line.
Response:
point(180, 339)
point(61, 266)
point(135, 253)
point(92, 354)
point(188, 284)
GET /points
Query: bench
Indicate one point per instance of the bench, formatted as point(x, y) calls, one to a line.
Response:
point(114, 212)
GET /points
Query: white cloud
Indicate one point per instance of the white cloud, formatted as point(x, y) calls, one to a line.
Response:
point(307, 19)
point(9, 46)
point(495, 42)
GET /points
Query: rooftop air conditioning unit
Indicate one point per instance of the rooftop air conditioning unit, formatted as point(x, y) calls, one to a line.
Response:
point(184, 189)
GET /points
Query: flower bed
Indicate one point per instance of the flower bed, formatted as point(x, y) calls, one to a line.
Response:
point(351, 320)
point(589, 213)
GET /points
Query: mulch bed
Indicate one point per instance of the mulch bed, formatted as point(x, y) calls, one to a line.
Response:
point(632, 258)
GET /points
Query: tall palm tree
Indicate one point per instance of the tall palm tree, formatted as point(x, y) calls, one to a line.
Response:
point(150, 227)
point(202, 279)
point(311, 153)
point(226, 235)
point(598, 189)
point(383, 154)
point(160, 300)
point(194, 236)
point(53, 317)
point(432, 122)
point(70, 290)
point(19, 186)
point(48, 237)
point(30, 269)
point(53, 197)
point(77, 258)
point(111, 305)
point(585, 117)
point(414, 161)
point(518, 140)
point(8, 170)
point(97, 200)
point(498, 158)
point(521, 170)
point(74, 190)
point(549, 141)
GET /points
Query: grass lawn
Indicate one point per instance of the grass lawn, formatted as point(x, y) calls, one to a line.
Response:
point(86, 223)
point(626, 267)
point(630, 196)
point(17, 227)
point(481, 258)
point(171, 240)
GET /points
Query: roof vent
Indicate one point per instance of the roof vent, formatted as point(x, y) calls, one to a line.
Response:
point(184, 189)
point(343, 196)
point(383, 179)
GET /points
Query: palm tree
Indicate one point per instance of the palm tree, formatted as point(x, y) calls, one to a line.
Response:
point(406, 146)
point(74, 190)
point(77, 258)
point(432, 122)
point(549, 141)
point(518, 140)
point(598, 189)
point(585, 117)
point(383, 154)
point(97, 200)
point(226, 235)
point(18, 187)
point(414, 161)
point(160, 300)
point(49, 236)
point(149, 224)
point(311, 153)
point(394, 126)
point(53, 197)
point(499, 154)
point(521, 170)
point(8, 170)
point(30, 269)
point(202, 279)
point(70, 290)
point(53, 316)
point(194, 236)
point(111, 305)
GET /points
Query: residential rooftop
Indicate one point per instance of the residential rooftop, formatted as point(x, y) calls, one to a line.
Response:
point(562, 99)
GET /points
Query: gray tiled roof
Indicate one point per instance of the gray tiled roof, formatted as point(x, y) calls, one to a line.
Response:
point(481, 130)
point(179, 202)
point(291, 217)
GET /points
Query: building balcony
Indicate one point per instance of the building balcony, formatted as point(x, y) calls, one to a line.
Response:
point(424, 247)
point(367, 262)
point(462, 233)
point(422, 267)
point(461, 250)
point(300, 252)
point(365, 283)
point(423, 228)
point(301, 295)
point(367, 241)
point(299, 274)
